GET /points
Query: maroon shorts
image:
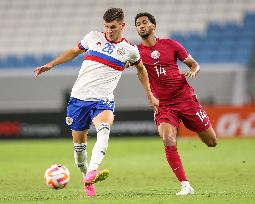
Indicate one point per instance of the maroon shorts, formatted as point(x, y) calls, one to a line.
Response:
point(189, 111)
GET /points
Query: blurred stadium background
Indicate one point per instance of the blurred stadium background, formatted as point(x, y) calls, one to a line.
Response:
point(220, 34)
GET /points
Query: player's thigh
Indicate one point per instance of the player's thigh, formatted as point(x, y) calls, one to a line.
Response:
point(166, 118)
point(78, 114)
point(168, 133)
point(193, 116)
point(209, 137)
point(79, 136)
point(106, 116)
point(197, 120)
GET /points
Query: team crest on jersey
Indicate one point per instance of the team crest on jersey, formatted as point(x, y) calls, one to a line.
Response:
point(121, 51)
point(155, 54)
point(69, 120)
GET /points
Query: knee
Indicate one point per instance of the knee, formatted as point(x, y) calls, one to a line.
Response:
point(212, 142)
point(168, 139)
point(208, 137)
point(168, 134)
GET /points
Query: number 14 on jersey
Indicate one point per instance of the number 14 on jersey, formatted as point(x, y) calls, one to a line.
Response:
point(160, 70)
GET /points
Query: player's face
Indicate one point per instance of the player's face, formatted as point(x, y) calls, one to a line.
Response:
point(144, 27)
point(114, 29)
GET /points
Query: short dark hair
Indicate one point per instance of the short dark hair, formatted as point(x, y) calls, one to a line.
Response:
point(113, 14)
point(150, 17)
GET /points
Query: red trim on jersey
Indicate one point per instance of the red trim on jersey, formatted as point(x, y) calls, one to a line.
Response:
point(127, 41)
point(103, 61)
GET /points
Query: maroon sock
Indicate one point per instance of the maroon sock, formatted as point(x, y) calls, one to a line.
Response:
point(175, 162)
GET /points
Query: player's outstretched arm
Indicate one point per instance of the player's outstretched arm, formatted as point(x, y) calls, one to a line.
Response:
point(143, 77)
point(65, 57)
point(194, 67)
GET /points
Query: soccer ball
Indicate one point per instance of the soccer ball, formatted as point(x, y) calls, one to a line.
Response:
point(57, 176)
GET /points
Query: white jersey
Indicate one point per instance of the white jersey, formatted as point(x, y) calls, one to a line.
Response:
point(102, 67)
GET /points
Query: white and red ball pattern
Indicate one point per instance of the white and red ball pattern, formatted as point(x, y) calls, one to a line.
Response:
point(57, 176)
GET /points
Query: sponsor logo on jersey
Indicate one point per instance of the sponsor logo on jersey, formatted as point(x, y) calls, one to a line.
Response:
point(155, 54)
point(69, 120)
point(121, 51)
point(99, 43)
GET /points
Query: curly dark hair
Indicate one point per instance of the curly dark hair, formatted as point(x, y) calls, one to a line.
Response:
point(113, 14)
point(150, 17)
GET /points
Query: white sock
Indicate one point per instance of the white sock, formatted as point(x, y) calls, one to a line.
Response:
point(100, 147)
point(185, 183)
point(80, 157)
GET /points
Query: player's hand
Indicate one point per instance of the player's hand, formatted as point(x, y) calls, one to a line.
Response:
point(127, 64)
point(154, 102)
point(41, 69)
point(192, 73)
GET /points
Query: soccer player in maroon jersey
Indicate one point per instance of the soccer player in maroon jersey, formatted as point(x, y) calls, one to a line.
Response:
point(177, 100)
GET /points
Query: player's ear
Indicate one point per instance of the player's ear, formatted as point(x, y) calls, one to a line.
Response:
point(123, 24)
point(153, 27)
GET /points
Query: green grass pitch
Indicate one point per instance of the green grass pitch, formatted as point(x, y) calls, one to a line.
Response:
point(138, 172)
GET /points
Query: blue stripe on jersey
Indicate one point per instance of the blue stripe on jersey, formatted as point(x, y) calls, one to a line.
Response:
point(105, 57)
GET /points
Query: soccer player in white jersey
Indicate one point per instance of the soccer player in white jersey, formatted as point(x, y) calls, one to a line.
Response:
point(92, 99)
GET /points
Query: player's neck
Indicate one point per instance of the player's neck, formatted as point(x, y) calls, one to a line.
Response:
point(119, 38)
point(150, 41)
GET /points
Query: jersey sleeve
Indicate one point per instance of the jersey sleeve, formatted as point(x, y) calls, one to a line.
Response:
point(84, 43)
point(135, 57)
point(181, 53)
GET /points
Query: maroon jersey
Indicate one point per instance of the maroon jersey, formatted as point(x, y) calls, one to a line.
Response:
point(160, 60)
